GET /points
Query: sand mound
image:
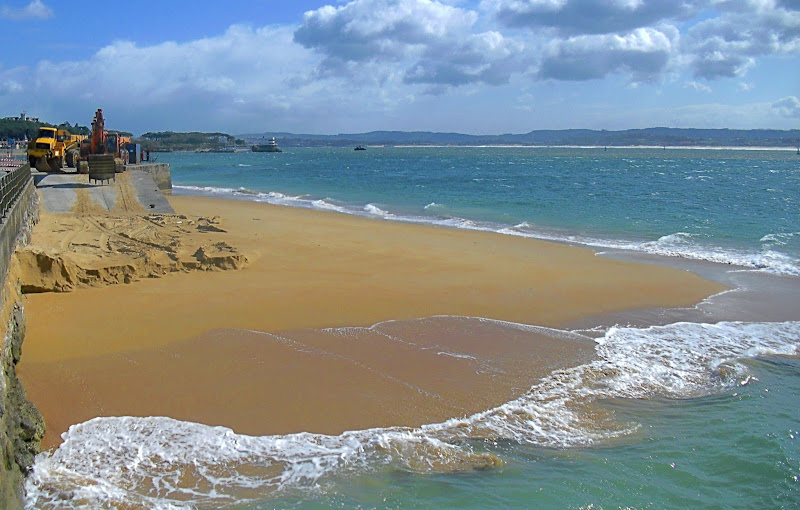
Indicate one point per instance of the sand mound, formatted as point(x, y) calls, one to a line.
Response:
point(69, 252)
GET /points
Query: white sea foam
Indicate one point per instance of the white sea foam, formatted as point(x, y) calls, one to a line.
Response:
point(164, 463)
point(377, 211)
point(679, 360)
point(683, 245)
point(456, 355)
point(779, 238)
point(206, 189)
point(327, 205)
point(678, 244)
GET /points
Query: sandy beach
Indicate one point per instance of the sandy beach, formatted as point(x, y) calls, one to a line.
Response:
point(243, 345)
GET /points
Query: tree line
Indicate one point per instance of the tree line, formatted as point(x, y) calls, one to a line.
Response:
point(17, 129)
point(170, 140)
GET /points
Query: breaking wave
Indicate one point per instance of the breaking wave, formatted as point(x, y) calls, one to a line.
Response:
point(164, 463)
point(679, 244)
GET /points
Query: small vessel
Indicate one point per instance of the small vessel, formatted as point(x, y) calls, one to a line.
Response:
point(271, 146)
point(360, 148)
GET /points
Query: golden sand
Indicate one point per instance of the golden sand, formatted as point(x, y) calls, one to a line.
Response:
point(143, 348)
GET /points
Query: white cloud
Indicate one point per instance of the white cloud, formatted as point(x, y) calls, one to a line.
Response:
point(368, 29)
point(244, 77)
point(245, 73)
point(745, 87)
point(644, 53)
point(788, 107)
point(9, 86)
point(34, 10)
point(431, 42)
point(695, 85)
point(362, 63)
point(573, 17)
point(712, 63)
point(728, 45)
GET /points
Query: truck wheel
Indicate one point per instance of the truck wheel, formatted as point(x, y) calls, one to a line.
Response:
point(71, 158)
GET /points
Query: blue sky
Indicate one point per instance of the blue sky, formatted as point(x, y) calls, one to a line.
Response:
point(480, 66)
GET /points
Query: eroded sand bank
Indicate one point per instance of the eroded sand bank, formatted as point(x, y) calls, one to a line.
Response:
point(190, 344)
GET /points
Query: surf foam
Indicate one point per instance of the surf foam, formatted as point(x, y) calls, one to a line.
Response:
point(678, 244)
point(164, 463)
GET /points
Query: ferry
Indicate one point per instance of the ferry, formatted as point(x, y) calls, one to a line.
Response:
point(271, 146)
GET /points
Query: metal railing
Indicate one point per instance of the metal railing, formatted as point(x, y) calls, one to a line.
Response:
point(11, 186)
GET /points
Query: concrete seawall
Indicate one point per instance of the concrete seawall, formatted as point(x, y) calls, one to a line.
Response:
point(160, 173)
point(21, 424)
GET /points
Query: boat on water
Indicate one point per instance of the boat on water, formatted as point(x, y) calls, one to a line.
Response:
point(360, 148)
point(271, 146)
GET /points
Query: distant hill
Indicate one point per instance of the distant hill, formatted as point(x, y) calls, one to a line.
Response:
point(194, 140)
point(658, 136)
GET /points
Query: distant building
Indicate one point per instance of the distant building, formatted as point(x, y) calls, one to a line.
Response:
point(23, 117)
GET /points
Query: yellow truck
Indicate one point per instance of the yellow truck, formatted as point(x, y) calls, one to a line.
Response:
point(53, 149)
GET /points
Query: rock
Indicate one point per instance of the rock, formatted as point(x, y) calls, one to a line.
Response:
point(21, 425)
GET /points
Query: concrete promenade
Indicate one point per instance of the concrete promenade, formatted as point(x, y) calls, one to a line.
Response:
point(59, 191)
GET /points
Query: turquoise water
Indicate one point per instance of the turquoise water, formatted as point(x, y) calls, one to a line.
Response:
point(722, 205)
point(736, 449)
point(694, 408)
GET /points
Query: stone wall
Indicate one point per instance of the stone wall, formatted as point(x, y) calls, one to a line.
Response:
point(21, 424)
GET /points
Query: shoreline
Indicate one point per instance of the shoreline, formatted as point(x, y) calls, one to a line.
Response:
point(657, 147)
point(311, 270)
point(651, 250)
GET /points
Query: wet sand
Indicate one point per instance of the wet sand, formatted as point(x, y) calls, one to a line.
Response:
point(307, 380)
point(179, 345)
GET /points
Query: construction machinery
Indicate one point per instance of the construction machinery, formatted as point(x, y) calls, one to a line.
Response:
point(104, 154)
point(53, 148)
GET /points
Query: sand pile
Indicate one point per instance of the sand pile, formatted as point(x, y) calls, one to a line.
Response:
point(69, 252)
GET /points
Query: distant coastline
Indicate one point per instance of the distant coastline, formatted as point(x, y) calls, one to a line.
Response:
point(16, 132)
point(643, 138)
point(654, 147)
point(520, 146)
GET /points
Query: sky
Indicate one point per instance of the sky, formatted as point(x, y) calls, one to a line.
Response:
point(467, 66)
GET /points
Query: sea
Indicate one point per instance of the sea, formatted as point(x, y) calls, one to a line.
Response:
point(686, 408)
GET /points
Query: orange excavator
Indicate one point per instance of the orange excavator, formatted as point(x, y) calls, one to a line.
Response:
point(104, 154)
